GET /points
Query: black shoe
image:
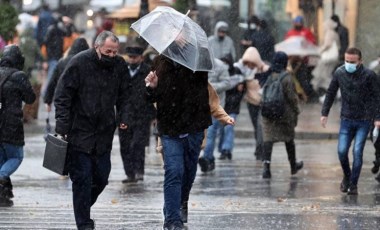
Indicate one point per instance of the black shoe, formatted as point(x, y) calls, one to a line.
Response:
point(5, 202)
point(223, 155)
point(345, 184)
point(298, 166)
point(173, 226)
point(129, 180)
point(211, 166)
point(203, 163)
point(378, 178)
point(266, 171)
point(375, 168)
point(139, 176)
point(352, 190)
point(184, 212)
point(229, 155)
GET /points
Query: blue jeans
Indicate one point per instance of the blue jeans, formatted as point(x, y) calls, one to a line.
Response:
point(227, 136)
point(180, 164)
point(51, 67)
point(11, 157)
point(350, 129)
point(89, 174)
point(212, 133)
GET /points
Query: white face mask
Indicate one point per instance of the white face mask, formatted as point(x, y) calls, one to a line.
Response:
point(252, 26)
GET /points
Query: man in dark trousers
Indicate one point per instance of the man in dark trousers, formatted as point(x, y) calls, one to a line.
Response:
point(140, 115)
point(15, 89)
point(343, 37)
point(360, 101)
point(92, 84)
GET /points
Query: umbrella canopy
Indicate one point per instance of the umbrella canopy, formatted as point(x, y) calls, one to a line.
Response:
point(297, 46)
point(176, 36)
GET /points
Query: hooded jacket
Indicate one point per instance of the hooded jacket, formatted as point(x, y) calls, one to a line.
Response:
point(221, 48)
point(15, 90)
point(79, 45)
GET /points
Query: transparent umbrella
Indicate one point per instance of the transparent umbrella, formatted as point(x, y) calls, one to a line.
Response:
point(176, 36)
point(297, 46)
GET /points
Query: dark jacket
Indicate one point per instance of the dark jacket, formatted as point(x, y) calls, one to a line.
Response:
point(233, 96)
point(360, 94)
point(54, 42)
point(15, 91)
point(344, 40)
point(79, 45)
point(139, 109)
point(85, 99)
point(182, 98)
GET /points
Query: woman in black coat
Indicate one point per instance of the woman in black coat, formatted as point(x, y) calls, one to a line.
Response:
point(14, 90)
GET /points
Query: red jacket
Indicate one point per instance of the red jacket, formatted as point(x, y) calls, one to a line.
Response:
point(305, 32)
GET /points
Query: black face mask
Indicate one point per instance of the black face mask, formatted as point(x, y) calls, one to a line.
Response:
point(107, 61)
point(298, 28)
point(220, 38)
point(134, 66)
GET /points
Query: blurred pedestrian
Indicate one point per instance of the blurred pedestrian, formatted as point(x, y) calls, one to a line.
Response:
point(92, 84)
point(15, 89)
point(220, 43)
point(140, 114)
point(45, 19)
point(219, 80)
point(329, 51)
point(299, 29)
point(303, 66)
point(360, 101)
point(344, 38)
point(79, 45)
point(54, 46)
point(283, 128)
point(232, 108)
point(183, 113)
point(255, 71)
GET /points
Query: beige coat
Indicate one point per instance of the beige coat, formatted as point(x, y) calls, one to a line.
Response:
point(283, 130)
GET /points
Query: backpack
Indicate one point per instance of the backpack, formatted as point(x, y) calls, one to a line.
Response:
point(273, 102)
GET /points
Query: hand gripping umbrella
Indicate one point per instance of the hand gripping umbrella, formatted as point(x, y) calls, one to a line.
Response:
point(176, 36)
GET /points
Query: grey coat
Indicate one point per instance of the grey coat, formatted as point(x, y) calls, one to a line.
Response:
point(283, 130)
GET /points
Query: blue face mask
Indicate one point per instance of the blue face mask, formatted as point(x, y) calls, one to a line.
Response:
point(350, 67)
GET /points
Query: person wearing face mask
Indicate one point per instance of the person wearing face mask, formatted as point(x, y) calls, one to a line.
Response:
point(220, 43)
point(360, 106)
point(92, 84)
point(140, 114)
point(15, 89)
point(300, 30)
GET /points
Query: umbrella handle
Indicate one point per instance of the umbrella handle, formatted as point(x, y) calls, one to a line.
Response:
point(187, 13)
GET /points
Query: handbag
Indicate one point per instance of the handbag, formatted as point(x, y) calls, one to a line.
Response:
point(56, 155)
point(331, 54)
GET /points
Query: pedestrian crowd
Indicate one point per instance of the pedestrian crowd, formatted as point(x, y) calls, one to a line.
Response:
point(94, 90)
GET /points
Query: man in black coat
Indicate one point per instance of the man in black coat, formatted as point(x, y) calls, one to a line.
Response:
point(343, 37)
point(140, 113)
point(15, 89)
point(92, 84)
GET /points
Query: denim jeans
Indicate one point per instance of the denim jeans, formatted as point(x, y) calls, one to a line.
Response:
point(11, 157)
point(180, 164)
point(51, 67)
point(349, 130)
point(212, 133)
point(89, 174)
point(227, 136)
point(255, 115)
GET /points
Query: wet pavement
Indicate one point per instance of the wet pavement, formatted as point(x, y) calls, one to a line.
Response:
point(234, 196)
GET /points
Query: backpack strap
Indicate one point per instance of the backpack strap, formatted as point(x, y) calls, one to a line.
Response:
point(3, 79)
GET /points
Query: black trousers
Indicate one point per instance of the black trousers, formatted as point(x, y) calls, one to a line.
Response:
point(290, 149)
point(132, 147)
point(89, 174)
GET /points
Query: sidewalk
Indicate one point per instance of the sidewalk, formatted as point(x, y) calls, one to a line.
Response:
point(308, 127)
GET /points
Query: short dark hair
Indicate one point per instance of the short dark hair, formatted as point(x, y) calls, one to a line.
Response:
point(354, 51)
